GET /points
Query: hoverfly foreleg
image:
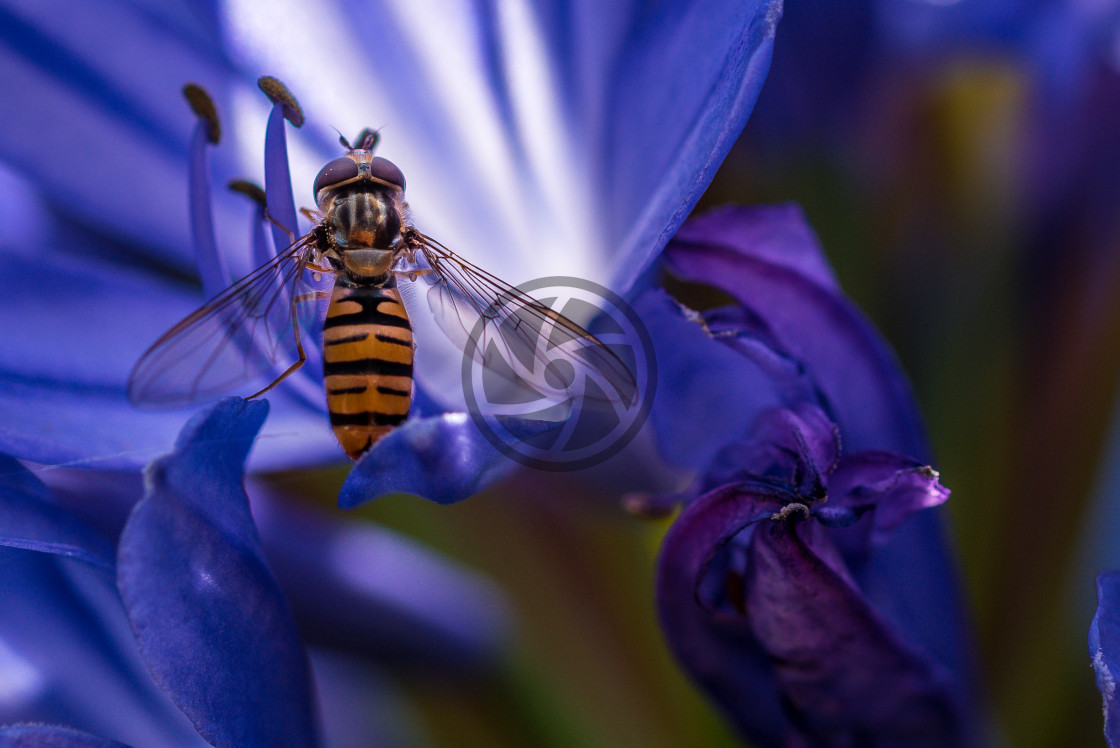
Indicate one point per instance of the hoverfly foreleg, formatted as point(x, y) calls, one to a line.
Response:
point(282, 227)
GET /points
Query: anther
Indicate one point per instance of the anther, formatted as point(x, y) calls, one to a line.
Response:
point(278, 93)
point(203, 107)
point(788, 510)
point(251, 190)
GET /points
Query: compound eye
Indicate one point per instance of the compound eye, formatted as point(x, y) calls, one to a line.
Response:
point(335, 172)
point(387, 171)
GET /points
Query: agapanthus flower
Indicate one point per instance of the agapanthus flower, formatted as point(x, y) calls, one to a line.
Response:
point(537, 140)
point(805, 584)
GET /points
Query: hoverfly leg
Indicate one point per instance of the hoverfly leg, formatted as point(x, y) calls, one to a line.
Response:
point(282, 227)
point(299, 342)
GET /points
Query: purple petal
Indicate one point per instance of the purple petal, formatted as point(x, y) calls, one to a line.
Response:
point(1104, 647)
point(359, 586)
point(30, 519)
point(442, 458)
point(717, 649)
point(777, 234)
point(67, 402)
point(209, 617)
point(847, 675)
point(686, 80)
point(51, 736)
point(855, 371)
point(895, 486)
point(788, 444)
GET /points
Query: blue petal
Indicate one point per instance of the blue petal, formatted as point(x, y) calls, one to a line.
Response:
point(209, 617)
point(69, 657)
point(51, 736)
point(67, 402)
point(30, 519)
point(360, 586)
point(443, 458)
point(686, 80)
point(813, 323)
point(1104, 648)
point(131, 130)
point(691, 424)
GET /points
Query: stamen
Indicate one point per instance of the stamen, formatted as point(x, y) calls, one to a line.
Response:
point(277, 176)
point(788, 510)
point(203, 107)
point(212, 268)
point(262, 249)
point(278, 93)
point(251, 190)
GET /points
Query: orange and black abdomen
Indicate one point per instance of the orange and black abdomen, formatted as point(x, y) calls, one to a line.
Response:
point(367, 362)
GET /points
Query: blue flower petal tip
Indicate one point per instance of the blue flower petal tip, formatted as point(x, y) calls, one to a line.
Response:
point(443, 458)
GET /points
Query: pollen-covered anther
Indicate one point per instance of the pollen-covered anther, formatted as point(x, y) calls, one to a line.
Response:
point(788, 510)
point(251, 190)
point(203, 107)
point(278, 93)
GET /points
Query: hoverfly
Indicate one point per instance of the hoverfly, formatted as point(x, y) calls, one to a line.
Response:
point(362, 235)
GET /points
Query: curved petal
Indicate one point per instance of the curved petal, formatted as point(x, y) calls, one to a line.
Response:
point(895, 486)
point(539, 138)
point(442, 458)
point(718, 650)
point(363, 587)
point(865, 392)
point(30, 519)
point(685, 81)
point(844, 671)
point(208, 615)
point(52, 736)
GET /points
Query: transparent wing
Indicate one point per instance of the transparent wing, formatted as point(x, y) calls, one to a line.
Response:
point(521, 339)
point(239, 335)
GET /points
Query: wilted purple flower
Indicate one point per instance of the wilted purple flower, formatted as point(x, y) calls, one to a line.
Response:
point(797, 588)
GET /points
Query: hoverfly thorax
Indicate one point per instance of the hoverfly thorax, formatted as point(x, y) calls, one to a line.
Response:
point(361, 197)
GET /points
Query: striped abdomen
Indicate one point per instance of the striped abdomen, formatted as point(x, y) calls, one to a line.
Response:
point(367, 362)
